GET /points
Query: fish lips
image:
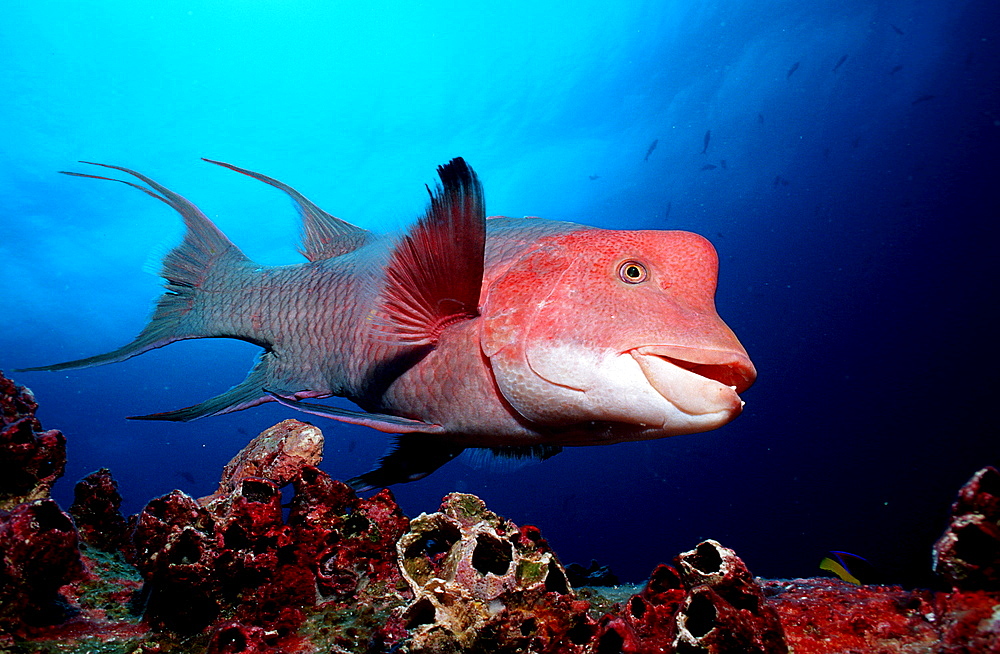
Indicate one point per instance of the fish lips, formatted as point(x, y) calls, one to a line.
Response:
point(697, 381)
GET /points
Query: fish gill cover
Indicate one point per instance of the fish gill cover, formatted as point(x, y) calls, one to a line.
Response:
point(837, 154)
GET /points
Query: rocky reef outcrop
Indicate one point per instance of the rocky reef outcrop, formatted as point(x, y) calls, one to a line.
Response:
point(31, 459)
point(243, 572)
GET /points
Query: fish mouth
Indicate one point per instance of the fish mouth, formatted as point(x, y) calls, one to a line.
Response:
point(697, 381)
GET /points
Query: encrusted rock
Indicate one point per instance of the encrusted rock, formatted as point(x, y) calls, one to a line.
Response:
point(277, 453)
point(480, 582)
point(31, 460)
point(96, 509)
point(709, 603)
point(39, 553)
point(967, 555)
point(175, 551)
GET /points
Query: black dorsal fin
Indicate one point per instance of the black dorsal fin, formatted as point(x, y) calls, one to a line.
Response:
point(323, 235)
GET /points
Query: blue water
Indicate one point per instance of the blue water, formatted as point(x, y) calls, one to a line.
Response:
point(855, 220)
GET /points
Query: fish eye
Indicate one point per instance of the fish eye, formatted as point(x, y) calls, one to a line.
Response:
point(632, 272)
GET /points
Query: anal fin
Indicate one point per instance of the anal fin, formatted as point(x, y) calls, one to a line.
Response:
point(249, 392)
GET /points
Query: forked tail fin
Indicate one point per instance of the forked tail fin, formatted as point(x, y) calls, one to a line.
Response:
point(203, 257)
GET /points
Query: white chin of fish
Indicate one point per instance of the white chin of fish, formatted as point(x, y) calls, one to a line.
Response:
point(639, 389)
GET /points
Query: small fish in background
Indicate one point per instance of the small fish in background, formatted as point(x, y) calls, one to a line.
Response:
point(896, 69)
point(896, 29)
point(924, 98)
point(826, 153)
point(593, 177)
point(652, 146)
point(856, 142)
point(706, 140)
point(666, 214)
point(760, 119)
point(709, 167)
point(780, 181)
point(791, 71)
point(840, 62)
point(722, 162)
point(849, 567)
point(186, 476)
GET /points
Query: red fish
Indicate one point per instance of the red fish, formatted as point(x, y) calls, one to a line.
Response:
point(518, 334)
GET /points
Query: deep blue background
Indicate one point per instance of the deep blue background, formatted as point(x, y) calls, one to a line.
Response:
point(862, 286)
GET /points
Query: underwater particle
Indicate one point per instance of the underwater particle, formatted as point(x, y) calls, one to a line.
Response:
point(31, 460)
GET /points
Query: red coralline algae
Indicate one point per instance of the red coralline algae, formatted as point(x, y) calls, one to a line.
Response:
point(39, 553)
point(708, 603)
point(967, 555)
point(229, 574)
point(31, 460)
point(96, 510)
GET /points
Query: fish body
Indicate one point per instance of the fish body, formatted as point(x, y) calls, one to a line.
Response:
point(791, 71)
point(840, 62)
point(705, 141)
point(649, 151)
point(519, 334)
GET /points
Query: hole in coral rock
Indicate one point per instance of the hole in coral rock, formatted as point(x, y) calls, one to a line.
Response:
point(419, 614)
point(528, 627)
point(257, 490)
point(186, 549)
point(706, 559)
point(975, 546)
point(491, 555)
point(637, 607)
point(434, 544)
point(990, 482)
point(700, 615)
point(664, 578)
point(235, 538)
point(232, 641)
point(555, 580)
point(610, 642)
point(581, 632)
point(355, 525)
point(684, 647)
point(49, 518)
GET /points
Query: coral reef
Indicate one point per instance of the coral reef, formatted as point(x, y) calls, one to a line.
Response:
point(967, 555)
point(231, 573)
point(31, 460)
point(482, 584)
point(96, 510)
point(39, 553)
point(709, 603)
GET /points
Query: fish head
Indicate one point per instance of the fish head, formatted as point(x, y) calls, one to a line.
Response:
point(614, 327)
